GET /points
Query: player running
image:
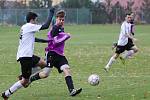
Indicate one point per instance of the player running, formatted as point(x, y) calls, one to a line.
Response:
point(125, 42)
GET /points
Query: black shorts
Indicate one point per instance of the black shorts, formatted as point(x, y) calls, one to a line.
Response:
point(55, 60)
point(128, 46)
point(35, 60)
point(26, 65)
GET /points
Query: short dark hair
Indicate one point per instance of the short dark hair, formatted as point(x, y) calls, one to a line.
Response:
point(31, 15)
point(128, 13)
point(60, 13)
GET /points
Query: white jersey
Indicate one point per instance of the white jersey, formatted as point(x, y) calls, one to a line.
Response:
point(125, 29)
point(27, 39)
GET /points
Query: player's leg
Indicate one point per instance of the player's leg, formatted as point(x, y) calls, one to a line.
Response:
point(38, 64)
point(119, 49)
point(111, 61)
point(69, 82)
point(46, 70)
point(26, 65)
point(114, 45)
point(135, 48)
point(41, 75)
point(131, 50)
point(63, 66)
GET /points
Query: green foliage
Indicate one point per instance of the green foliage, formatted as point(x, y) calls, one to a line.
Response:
point(117, 13)
point(77, 3)
point(4, 4)
point(130, 4)
point(99, 14)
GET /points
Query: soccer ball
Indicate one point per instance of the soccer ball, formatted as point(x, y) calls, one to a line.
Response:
point(94, 79)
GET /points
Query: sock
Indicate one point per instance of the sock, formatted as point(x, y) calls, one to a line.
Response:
point(13, 88)
point(35, 77)
point(110, 62)
point(128, 54)
point(69, 83)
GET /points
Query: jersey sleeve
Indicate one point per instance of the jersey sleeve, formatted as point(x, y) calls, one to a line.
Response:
point(123, 28)
point(128, 28)
point(36, 28)
point(61, 38)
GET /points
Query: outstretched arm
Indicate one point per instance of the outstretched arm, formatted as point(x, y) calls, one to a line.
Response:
point(41, 40)
point(49, 19)
point(130, 35)
point(61, 38)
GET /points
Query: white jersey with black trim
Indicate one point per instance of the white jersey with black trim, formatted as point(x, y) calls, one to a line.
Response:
point(125, 29)
point(26, 41)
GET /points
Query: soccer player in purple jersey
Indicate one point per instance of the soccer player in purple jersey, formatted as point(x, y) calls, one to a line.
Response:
point(55, 54)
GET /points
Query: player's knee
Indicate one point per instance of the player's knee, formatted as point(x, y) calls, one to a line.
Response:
point(67, 72)
point(115, 56)
point(45, 73)
point(66, 69)
point(42, 64)
point(136, 50)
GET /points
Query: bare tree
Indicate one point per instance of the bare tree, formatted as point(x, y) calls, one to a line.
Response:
point(146, 10)
point(2, 4)
point(130, 4)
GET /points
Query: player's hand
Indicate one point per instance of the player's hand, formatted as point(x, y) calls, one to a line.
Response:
point(51, 10)
point(134, 39)
point(69, 34)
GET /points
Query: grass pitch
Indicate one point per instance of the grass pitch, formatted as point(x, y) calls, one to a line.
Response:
point(87, 51)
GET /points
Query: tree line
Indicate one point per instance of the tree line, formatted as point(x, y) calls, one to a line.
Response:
point(101, 12)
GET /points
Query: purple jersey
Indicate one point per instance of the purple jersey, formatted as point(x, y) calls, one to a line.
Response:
point(57, 42)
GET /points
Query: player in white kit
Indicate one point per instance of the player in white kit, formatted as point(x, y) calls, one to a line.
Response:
point(26, 49)
point(123, 42)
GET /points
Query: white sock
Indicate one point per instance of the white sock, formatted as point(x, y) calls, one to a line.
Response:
point(128, 54)
point(110, 62)
point(13, 88)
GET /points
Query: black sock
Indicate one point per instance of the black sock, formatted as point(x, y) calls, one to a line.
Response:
point(69, 83)
point(35, 77)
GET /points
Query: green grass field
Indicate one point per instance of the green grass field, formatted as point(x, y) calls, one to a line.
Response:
point(88, 51)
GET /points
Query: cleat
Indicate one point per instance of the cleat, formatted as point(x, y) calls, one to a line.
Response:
point(20, 77)
point(74, 92)
point(4, 96)
point(27, 84)
point(122, 60)
point(106, 69)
